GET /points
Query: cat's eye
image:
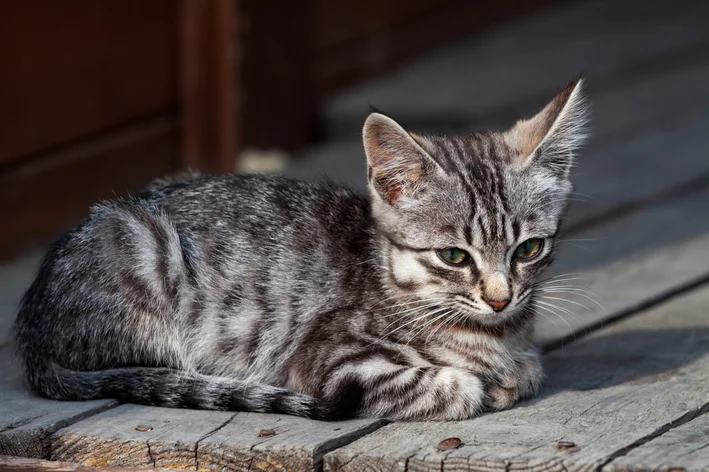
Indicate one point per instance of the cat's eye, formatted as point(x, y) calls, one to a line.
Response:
point(453, 256)
point(529, 249)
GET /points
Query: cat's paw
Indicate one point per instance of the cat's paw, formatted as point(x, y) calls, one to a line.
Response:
point(521, 382)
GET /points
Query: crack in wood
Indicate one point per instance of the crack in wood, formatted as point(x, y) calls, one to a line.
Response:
point(211, 433)
point(651, 302)
point(684, 419)
point(332, 444)
point(680, 190)
point(150, 454)
point(19, 423)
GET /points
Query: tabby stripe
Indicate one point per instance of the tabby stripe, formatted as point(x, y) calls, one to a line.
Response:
point(405, 247)
point(448, 274)
point(187, 250)
point(359, 357)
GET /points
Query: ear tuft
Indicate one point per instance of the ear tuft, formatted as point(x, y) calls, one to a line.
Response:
point(552, 137)
point(396, 161)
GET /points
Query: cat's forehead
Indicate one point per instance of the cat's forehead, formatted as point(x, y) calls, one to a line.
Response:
point(456, 152)
point(482, 196)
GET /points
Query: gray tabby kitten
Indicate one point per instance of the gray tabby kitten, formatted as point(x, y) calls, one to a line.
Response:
point(272, 295)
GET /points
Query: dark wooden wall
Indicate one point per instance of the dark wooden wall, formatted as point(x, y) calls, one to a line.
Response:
point(99, 97)
point(88, 107)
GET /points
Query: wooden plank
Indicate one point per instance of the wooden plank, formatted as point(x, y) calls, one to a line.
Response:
point(133, 435)
point(14, 280)
point(26, 420)
point(105, 64)
point(209, 81)
point(15, 464)
point(608, 392)
point(51, 193)
point(356, 40)
point(627, 264)
point(498, 70)
point(685, 448)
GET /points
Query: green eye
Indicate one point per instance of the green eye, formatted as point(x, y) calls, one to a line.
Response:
point(529, 249)
point(453, 255)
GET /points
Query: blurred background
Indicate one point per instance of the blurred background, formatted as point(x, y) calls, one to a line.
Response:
point(97, 98)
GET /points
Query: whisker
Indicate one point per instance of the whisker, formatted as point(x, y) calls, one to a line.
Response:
point(404, 314)
point(428, 323)
point(577, 292)
point(421, 300)
point(413, 321)
point(565, 301)
point(552, 308)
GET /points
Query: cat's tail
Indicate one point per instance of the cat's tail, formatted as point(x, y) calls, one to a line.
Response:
point(178, 389)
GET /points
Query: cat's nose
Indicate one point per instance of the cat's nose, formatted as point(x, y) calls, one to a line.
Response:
point(497, 305)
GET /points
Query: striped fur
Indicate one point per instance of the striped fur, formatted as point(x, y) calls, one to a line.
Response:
point(273, 295)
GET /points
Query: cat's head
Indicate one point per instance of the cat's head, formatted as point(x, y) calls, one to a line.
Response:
point(469, 222)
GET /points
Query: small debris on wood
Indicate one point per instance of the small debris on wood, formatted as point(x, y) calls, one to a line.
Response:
point(266, 433)
point(566, 445)
point(448, 444)
point(143, 428)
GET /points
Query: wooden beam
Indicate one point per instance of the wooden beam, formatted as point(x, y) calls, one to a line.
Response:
point(209, 82)
point(15, 464)
point(205, 440)
point(277, 74)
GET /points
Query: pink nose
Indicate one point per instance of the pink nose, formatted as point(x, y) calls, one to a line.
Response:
point(497, 305)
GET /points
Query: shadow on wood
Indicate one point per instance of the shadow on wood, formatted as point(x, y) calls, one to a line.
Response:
point(634, 357)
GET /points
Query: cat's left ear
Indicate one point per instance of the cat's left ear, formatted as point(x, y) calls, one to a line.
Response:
point(552, 137)
point(397, 163)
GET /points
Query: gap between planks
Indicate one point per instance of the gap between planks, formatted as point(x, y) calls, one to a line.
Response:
point(681, 421)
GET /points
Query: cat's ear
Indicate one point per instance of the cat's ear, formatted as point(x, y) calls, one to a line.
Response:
point(552, 137)
point(396, 162)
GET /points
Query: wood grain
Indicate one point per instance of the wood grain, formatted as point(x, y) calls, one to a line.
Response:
point(15, 464)
point(623, 385)
point(27, 420)
point(685, 448)
point(187, 439)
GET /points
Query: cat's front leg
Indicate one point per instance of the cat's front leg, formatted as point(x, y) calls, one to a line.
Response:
point(523, 380)
point(416, 393)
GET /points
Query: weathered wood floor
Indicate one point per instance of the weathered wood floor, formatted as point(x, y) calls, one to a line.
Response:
point(627, 377)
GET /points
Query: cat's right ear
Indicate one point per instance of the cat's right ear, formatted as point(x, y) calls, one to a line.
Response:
point(396, 162)
point(552, 137)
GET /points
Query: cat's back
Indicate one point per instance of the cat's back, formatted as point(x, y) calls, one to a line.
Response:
point(257, 201)
point(188, 250)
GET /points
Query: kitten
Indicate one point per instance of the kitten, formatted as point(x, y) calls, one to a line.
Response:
point(272, 295)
